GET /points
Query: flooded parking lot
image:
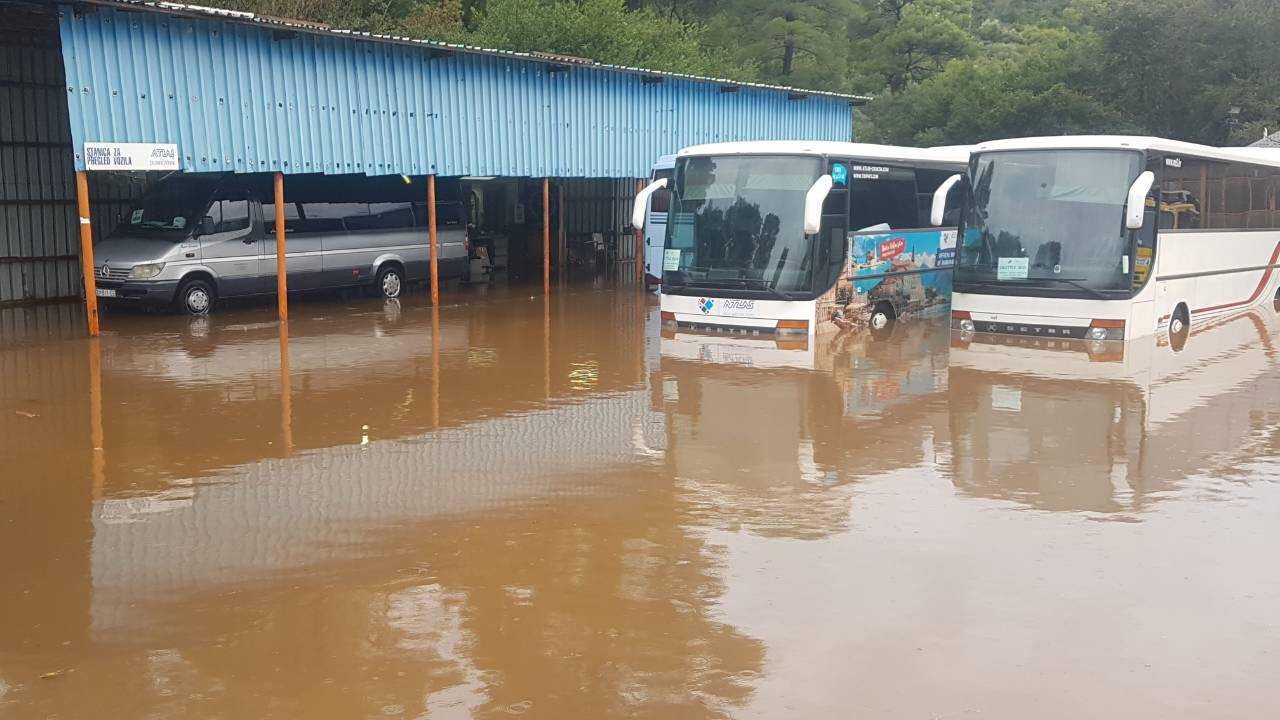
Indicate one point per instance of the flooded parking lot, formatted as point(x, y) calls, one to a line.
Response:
point(550, 507)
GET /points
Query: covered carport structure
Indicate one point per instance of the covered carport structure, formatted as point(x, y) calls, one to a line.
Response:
point(136, 85)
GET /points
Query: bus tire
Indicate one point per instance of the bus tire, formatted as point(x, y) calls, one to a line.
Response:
point(882, 319)
point(195, 297)
point(1179, 327)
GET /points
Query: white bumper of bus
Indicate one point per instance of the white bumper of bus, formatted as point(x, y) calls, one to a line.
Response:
point(714, 311)
point(1039, 311)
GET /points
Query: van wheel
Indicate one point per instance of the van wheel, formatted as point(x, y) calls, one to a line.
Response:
point(390, 282)
point(195, 297)
point(1179, 328)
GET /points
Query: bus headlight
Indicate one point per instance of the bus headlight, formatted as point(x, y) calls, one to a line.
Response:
point(145, 272)
point(966, 326)
point(1105, 330)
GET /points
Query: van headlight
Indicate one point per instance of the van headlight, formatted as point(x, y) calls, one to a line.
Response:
point(145, 272)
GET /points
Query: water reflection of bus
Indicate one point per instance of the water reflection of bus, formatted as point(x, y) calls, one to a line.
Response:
point(1064, 428)
point(802, 238)
point(776, 433)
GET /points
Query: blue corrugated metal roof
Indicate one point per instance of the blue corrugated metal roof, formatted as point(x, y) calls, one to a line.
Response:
point(235, 96)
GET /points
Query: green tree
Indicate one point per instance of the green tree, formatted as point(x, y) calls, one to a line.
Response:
point(1042, 90)
point(604, 31)
point(792, 42)
point(907, 41)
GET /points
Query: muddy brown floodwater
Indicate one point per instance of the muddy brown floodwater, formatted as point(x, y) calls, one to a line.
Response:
point(550, 508)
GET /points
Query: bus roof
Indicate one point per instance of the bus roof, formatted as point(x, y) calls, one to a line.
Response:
point(955, 154)
point(664, 162)
point(1260, 156)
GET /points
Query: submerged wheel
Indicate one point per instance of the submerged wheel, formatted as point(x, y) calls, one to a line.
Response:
point(882, 319)
point(390, 282)
point(1179, 327)
point(195, 297)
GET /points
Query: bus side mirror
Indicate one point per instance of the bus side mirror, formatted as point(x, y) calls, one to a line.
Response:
point(813, 204)
point(938, 211)
point(641, 206)
point(1135, 208)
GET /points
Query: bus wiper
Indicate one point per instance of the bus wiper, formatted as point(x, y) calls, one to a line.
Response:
point(767, 287)
point(1078, 285)
point(1032, 281)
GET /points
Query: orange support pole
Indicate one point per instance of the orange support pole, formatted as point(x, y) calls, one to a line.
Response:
point(282, 276)
point(86, 253)
point(431, 232)
point(640, 245)
point(546, 235)
point(562, 239)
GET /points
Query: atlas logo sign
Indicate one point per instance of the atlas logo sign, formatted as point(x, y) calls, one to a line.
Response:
point(739, 308)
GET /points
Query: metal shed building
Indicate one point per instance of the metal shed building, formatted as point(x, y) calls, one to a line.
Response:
point(244, 93)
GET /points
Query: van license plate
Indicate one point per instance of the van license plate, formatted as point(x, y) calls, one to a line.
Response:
point(106, 292)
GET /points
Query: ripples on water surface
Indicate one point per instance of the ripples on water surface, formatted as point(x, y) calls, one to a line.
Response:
point(550, 508)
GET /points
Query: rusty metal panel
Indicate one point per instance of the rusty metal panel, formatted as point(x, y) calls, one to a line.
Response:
point(237, 94)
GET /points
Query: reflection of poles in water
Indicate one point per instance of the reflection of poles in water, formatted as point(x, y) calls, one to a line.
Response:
point(98, 461)
point(286, 391)
point(546, 346)
point(435, 367)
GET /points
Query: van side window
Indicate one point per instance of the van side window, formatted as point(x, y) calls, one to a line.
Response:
point(883, 195)
point(381, 216)
point(290, 217)
point(229, 215)
point(448, 214)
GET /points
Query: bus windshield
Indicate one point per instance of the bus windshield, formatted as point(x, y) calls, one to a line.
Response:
point(1048, 220)
point(737, 223)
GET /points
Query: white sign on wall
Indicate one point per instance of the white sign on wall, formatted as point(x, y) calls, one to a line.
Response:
point(130, 156)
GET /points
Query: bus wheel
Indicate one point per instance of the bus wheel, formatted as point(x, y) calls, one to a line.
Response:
point(881, 315)
point(195, 297)
point(1179, 328)
point(882, 318)
point(1275, 302)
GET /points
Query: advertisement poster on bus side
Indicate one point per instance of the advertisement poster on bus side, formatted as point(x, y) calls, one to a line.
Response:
point(910, 269)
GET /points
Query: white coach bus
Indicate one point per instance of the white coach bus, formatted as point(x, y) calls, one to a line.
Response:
point(792, 237)
point(1111, 238)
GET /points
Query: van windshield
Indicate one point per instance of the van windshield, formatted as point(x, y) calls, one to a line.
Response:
point(169, 210)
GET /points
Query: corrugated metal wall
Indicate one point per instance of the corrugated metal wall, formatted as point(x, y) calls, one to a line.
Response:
point(235, 96)
point(39, 233)
point(600, 206)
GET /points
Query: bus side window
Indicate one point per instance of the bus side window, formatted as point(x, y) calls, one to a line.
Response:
point(927, 181)
point(660, 201)
point(880, 196)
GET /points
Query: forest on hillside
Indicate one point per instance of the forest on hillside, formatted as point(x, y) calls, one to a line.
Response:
point(942, 71)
